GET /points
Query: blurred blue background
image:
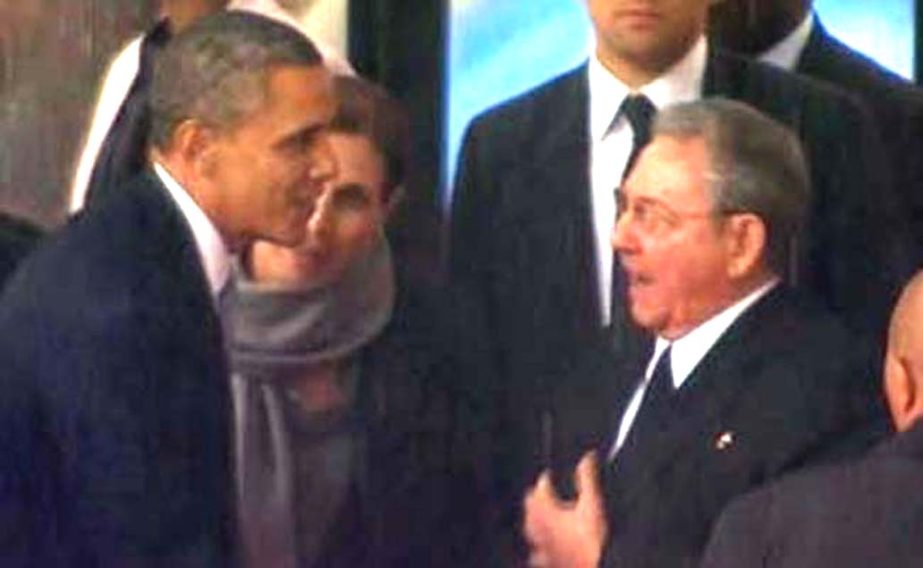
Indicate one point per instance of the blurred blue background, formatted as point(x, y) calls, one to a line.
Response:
point(499, 48)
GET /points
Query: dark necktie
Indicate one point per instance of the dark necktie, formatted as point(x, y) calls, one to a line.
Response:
point(124, 151)
point(655, 410)
point(640, 112)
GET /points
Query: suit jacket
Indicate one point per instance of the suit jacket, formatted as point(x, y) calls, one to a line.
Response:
point(784, 387)
point(867, 513)
point(522, 255)
point(115, 414)
point(896, 106)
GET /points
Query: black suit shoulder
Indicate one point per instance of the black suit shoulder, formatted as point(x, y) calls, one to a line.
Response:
point(858, 514)
point(852, 184)
point(115, 409)
point(514, 136)
point(107, 261)
point(897, 108)
point(779, 391)
point(533, 106)
point(827, 58)
point(795, 100)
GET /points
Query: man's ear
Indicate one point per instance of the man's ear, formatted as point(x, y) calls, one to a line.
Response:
point(746, 236)
point(194, 143)
point(395, 198)
point(904, 400)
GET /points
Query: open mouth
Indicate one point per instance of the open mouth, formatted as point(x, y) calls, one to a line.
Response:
point(637, 282)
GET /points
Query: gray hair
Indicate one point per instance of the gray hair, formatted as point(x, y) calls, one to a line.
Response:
point(757, 166)
point(216, 70)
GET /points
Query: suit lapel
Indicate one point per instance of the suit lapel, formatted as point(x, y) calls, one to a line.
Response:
point(714, 385)
point(556, 187)
point(772, 91)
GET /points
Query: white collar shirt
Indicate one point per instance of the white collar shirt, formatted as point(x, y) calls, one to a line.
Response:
point(787, 52)
point(611, 142)
point(686, 353)
point(213, 253)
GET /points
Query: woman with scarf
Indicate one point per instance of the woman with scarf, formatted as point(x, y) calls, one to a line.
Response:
point(339, 448)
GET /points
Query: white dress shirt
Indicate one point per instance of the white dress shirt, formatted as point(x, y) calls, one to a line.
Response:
point(611, 142)
point(787, 52)
point(213, 253)
point(685, 354)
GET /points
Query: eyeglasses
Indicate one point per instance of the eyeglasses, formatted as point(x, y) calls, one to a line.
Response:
point(653, 217)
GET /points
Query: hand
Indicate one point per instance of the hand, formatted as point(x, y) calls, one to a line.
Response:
point(566, 534)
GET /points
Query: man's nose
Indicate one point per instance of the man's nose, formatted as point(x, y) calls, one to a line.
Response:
point(322, 163)
point(321, 219)
point(620, 236)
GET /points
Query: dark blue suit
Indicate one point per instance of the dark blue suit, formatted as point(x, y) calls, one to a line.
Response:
point(867, 513)
point(896, 106)
point(114, 406)
point(784, 387)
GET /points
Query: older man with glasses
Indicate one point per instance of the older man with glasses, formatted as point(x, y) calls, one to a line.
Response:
point(743, 380)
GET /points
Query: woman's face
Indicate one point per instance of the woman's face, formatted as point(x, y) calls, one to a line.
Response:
point(345, 224)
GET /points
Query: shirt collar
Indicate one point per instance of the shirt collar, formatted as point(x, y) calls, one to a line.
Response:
point(680, 83)
point(786, 53)
point(213, 253)
point(690, 349)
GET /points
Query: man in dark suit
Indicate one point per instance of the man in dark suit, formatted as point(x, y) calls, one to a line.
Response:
point(534, 206)
point(17, 238)
point(115, 412)
point(745, 381)
point(867, 513)
point(788, 34)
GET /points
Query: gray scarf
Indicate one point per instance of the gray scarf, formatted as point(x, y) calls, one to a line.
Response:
point(277, 333)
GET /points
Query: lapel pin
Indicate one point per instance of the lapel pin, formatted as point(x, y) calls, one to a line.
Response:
point(724, 440)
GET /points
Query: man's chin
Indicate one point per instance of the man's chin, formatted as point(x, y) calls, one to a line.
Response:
point(289, 237)
point(643, 318)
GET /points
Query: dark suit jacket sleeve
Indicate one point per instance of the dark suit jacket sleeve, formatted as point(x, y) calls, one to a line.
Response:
point(870, 228)
point(84, 431)
point(737, 540)
point(477, 394)
point(113, 397)
point(470, 226)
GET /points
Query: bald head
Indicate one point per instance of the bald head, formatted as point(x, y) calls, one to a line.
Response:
point(904, 357)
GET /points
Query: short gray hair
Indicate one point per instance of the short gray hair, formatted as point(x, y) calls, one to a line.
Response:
point(216, 70)
point(757, 166)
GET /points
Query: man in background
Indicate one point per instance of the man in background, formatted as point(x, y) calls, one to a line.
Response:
point(790, 35)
